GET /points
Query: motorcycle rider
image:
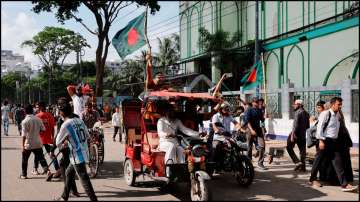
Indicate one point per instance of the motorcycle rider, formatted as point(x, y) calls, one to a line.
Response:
point(221, 126)
point(167, 126)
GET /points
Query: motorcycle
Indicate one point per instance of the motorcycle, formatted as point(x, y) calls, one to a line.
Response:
point(197, 155)
point(234, 159)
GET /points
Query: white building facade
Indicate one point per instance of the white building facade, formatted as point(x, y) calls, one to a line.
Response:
point(310, 51)
point(14, 63)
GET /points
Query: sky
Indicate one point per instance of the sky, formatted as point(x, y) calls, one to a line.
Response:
point(19, 23)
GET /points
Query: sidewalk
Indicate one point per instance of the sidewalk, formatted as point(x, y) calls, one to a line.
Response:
point(310, 152)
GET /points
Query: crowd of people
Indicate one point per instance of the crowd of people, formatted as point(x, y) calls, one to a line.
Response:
point(36, 125)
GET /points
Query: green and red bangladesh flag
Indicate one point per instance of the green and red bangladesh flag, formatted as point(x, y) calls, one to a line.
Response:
point(254, 77)
point(131, 37)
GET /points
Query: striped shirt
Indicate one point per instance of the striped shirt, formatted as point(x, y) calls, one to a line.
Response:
point(75, 130)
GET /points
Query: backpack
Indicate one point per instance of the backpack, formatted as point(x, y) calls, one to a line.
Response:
point(311, 132)
point(19, 114)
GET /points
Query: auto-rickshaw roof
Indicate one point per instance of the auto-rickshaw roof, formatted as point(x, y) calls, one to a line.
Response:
point(181, 94)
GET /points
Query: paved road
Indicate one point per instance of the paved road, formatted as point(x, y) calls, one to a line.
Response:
point(280, 182)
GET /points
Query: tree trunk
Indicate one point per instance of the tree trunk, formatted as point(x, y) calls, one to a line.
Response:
point(99, 67)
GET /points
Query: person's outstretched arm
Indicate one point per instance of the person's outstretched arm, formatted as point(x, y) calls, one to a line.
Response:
point(148, 71)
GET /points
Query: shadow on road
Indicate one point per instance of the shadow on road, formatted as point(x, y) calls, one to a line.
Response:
point(110, 169)
point(10, 148)
point(132, 193)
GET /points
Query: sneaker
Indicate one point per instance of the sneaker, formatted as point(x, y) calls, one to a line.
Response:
point(271, 158)
point(114, 140)
point(59, 198)
point(23, 177)
point(349, 188)
point(298, 166)
point(261, 166)
point(49, 176)
point(35, 172)
point(315, 183)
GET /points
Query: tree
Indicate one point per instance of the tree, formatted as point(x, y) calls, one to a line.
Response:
point(168, 51)
point(105, 12)
point(52, 45)
point(8, 86)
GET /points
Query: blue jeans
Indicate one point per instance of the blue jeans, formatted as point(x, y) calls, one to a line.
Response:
point(6, 126)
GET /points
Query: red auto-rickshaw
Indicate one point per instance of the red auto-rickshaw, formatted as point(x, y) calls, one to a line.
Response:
point(142, 155)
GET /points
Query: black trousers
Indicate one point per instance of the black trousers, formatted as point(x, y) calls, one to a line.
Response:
point(39, 156)
point(259, 142)
point(48, 149)
point(64, 163)
point(80, 169)
point(334, 154)
point(18, 123)
point(301, 143)
point(116, 130)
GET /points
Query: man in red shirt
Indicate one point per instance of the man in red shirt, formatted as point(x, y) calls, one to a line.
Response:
point(47, 136)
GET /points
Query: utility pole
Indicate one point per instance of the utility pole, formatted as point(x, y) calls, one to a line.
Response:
point(257, 42)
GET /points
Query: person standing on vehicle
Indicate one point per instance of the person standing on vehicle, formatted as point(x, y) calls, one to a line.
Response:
point(252, 120)
point(75, 134)
point(5, 110)
point(31, 143)
point(78, 99)
point(221, 122)
point(327, 132)
point(47, 136)
point(298, 135)
point(117, 123)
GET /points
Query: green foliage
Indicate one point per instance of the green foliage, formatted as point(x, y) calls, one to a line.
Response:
point(88, 68)
point(169, 52)
point(105, 12)
point(54, 44)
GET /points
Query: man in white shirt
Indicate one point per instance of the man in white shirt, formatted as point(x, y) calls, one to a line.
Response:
point(167, 126)
point(5, 110)
point(327, 133)
point(31, 143)
point(221, 122)
point(116, 122)
point(78, 99)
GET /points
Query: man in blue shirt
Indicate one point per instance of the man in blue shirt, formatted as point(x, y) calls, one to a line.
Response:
point(252, 118)
point(74, 134)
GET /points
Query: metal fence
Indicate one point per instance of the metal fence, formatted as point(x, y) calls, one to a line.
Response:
point(273, 102)
point(355, 106)
point(310, 98)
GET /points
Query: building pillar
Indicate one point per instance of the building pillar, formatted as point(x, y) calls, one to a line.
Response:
point(346, 96)
point(285, 101)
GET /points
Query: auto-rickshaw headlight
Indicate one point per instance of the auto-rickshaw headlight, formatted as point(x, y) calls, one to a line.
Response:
point(198, 151)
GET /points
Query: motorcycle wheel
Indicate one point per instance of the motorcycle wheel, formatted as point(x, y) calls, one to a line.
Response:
point(199, 190)
point(101, 152)
point(93, 160)
point(129, 173)
point(245, 173)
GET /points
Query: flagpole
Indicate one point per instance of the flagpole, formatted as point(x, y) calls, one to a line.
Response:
point(147, 41)
point(264, 75)
point(146, 37)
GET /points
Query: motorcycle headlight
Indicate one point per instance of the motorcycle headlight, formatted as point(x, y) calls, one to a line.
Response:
point(198, 151)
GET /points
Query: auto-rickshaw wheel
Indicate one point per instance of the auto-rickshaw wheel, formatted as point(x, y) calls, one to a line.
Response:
point(129, 173)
